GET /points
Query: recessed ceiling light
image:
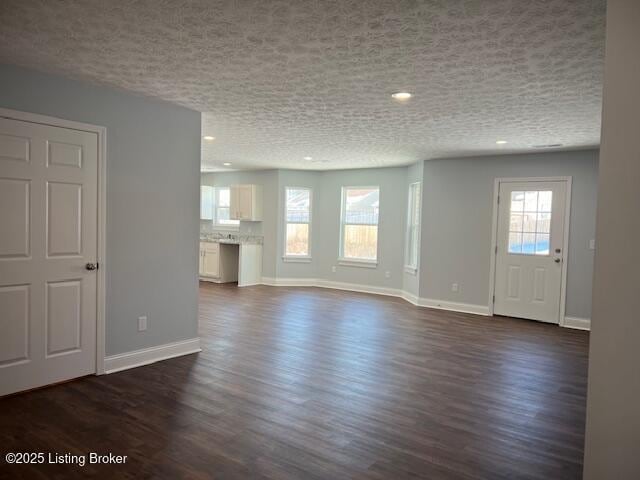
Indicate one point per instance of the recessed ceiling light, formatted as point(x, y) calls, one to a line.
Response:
point(307, 158)
point(227, 164)
point(402, 96)
point(501, 142)
point(209, 138)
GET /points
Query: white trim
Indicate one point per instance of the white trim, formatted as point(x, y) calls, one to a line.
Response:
point(411, 298)
point(343, 211)
point(146, 356)
point(101, 250)
point(565, 243)
point(454, 306)
point(290, 258)
point(392, 292)
point(347, 262)
point(565, 252)
point(408, 268)
point(353, 287)
point(577, 323)
point(320, 283)
point(293, 259)
point(289, 282)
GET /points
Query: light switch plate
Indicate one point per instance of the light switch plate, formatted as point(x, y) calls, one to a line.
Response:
point(142, 324)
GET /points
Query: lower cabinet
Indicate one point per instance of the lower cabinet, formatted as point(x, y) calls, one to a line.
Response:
point(210, 259)
point(218, 262)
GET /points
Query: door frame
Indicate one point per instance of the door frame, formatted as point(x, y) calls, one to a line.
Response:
point(101, 213)
point(565, 240)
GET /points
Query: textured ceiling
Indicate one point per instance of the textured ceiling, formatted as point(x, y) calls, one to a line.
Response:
point(279, 80)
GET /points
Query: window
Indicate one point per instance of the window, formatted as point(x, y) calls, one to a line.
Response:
point(297, 219)
point(530, 222)
point(413, 228)
point(359, 224)
point(223, 207)
point(206, 202)
point(215, 205)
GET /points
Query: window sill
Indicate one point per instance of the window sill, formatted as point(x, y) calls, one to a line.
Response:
point(410, 270)
point(291, 259)
point(350, 262)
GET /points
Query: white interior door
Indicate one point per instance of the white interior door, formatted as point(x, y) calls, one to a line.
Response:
point(48, 235)
point(530, 242)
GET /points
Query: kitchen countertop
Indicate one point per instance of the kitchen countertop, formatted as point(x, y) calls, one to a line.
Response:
point(232, 239)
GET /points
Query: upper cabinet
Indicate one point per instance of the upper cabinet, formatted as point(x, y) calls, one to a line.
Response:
point(246, 203)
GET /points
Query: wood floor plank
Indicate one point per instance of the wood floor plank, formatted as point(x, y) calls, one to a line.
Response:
point(308, 383)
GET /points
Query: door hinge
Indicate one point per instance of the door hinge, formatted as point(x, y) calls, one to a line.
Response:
point(494, 299)
point(496, 249)
point(498, 199)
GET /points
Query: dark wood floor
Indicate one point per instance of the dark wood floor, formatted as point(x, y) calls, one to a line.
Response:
point(322, 384)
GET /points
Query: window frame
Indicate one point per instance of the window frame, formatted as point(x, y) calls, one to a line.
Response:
point(297, 258)
point(411, 214)
point(353, 261)
point(212, 193)
point(214, 208)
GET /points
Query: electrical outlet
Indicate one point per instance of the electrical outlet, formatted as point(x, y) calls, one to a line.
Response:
point(333, 269)
point(387, 274)
point(454, 287)
point(142, 324)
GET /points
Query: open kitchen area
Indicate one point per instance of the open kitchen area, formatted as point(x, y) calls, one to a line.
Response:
point(231, 234)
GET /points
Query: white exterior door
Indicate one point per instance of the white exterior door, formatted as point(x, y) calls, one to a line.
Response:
point(530, 243)
point(48, 235)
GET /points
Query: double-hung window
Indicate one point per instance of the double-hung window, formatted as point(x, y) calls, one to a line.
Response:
point(223, 208)
point(413, 228)
point(297, 219)
point(359, 224)
point(215, 203)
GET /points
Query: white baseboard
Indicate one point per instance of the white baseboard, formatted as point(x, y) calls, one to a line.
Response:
point(577, 323)
point(392, 292)
point(411, 298)
point(289, 282)
point(320, 283)
point(454, 306)
point(145, 356)
point(354, 287)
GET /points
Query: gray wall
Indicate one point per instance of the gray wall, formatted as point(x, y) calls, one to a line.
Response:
point(326, 221)
point(612, 449)
point(298, 178)
point(153, 160)
point(457, 212)
point(392, 217)
point(456, 223)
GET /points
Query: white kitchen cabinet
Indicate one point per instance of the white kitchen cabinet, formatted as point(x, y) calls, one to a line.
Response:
point(218, 262)
point(246, 203)
point(209, 259)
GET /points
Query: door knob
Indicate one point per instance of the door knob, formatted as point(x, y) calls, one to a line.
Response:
point(91, 266)
point(557, 260)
